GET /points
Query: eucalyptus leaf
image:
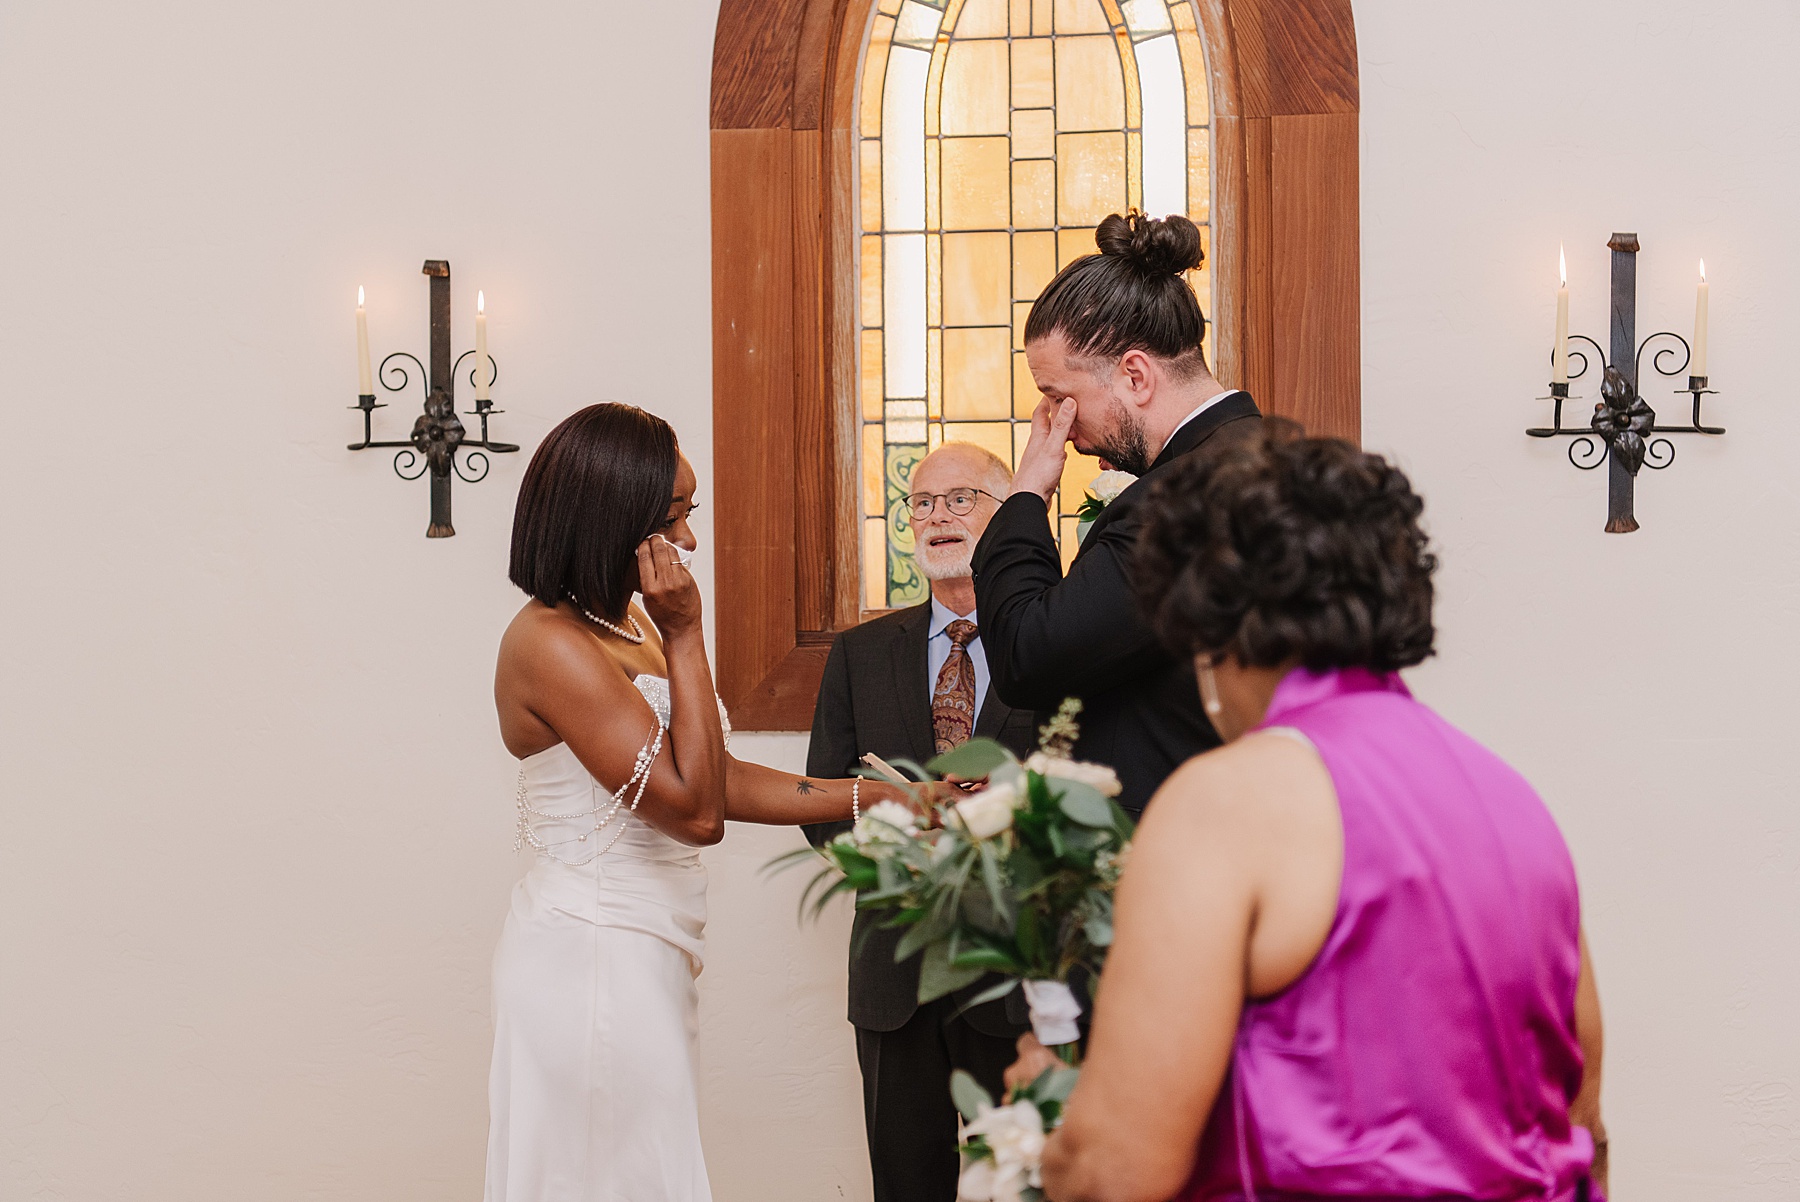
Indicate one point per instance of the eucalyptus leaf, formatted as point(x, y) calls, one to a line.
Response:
point(938, 977)
point(1085, 804)
point(990, 876)
point(992, 993)
point(1054, 1084)
point(973, 760)
point(968, 1095)
point(1099, 930)
point(927, 931)
point(987, 959)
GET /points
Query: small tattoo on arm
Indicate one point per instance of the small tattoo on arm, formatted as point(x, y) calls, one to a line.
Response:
point(805, 787)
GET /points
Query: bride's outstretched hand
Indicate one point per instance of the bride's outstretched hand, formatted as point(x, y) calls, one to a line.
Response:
point(671, 597)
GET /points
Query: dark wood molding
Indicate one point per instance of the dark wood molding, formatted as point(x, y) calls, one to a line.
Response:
point(1285, 255)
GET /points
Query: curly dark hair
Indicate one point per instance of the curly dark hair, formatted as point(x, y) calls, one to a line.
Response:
point(1278, 547)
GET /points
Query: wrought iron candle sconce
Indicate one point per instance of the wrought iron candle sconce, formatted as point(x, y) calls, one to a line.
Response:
point(437, 434)
point(1623, 430)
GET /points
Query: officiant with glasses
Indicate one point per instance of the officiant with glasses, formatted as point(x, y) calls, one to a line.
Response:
point(1114, 346)
point(913, 684)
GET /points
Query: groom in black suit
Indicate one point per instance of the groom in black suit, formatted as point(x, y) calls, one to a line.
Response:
point(911, 684)
point(1114, 346)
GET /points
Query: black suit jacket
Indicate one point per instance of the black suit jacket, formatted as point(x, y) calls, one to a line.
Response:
point(876, 696)
point(1049, 637)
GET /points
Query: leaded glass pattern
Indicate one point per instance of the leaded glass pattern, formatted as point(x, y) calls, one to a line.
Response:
point(993, 136)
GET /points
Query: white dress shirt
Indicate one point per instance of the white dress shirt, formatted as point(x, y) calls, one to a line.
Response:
point(937, 652)
point(1208, 403)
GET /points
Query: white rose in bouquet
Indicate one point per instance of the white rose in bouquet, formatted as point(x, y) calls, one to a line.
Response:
point(1015, 1139)
point(1096, 776)
point(988, 812)
point(885, 822)
point(1108, 485)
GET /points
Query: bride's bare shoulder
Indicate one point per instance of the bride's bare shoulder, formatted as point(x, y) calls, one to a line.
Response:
point(542, 640)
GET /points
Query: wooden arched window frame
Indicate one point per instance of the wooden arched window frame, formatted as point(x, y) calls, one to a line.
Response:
point(785, 415)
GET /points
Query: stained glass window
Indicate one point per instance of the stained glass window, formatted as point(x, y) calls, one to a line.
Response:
point(994, 136)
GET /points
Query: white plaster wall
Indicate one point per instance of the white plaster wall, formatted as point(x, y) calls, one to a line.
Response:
point(254, 822)
point(1643, 682)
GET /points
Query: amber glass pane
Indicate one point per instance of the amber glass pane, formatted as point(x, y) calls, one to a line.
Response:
point(1079, 16)
point(934, 435)
point(917, 24)
point(1021, 314)
point(871, 375)
point(1025, 390)
point(905, 421)
point(1021, 18)
point(1090, 92)
point(1033, 74)
point(874, 73)
point(977, 374)
point(934, 373)
point(1040, 19)
point(1069, 543)
point(975, 184)
point(977, 279)
point(1090, 177)
point(982, 19)
point(874, 502)
point(870, 183)
point(1072, 244)
point(1034, 263)
point(874, 558)
point(1033, 134)
point(890, 7)
point(1034, 194)
point(995, 437)
point(1147, 17)
point(871, 280)
point(974, 97)
point(1199, 147)
point(1078, 472)
point(1193, 63)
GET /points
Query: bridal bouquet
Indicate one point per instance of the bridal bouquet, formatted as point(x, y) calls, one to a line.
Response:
point(1003, 1146)
point(1016, 879)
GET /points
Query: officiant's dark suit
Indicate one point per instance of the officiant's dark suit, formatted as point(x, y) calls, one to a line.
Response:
point(876, 696)
point(1049, 636)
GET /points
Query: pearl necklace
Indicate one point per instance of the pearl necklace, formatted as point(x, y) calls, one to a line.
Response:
point(634, 636)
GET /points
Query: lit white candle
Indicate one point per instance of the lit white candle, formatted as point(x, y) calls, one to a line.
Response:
point(481, 355)
point(363, 384)
point(1559, 358)
point(1698, 366)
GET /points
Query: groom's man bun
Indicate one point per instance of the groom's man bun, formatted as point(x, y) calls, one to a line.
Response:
point(1130, 296)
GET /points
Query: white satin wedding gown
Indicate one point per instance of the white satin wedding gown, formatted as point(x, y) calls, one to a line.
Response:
point(592, 1094)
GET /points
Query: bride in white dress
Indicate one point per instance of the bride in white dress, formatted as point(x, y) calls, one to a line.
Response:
point(623, 776)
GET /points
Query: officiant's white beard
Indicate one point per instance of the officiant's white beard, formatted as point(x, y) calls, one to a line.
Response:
point(945, 563)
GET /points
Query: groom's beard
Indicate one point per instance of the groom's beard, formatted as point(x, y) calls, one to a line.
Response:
point(1125, 448)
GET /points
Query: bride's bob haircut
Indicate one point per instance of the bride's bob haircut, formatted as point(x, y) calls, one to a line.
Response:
point(599, 485)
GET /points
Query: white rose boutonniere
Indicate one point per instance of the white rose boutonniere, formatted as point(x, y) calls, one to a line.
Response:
point(1102, 492)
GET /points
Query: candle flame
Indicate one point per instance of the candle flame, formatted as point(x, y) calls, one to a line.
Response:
point(1703, 271)
point(480, 302)
point(359, 295)
point(1562, 265)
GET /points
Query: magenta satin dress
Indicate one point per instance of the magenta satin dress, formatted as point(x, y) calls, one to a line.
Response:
point(1430, 1050)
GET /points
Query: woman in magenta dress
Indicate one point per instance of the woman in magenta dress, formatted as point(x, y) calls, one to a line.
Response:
point(1348, 959)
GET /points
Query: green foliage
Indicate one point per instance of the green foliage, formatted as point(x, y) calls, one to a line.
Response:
point(1031, 902)
point(968, 1095)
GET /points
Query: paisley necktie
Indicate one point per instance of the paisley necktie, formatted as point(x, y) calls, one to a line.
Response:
point(953, 702)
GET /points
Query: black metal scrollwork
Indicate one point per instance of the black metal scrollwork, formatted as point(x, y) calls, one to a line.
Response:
point(438, 433)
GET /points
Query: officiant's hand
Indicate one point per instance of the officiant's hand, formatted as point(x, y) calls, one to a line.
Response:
point(671, 597)
point(1041, 465)
point(1033, 1059)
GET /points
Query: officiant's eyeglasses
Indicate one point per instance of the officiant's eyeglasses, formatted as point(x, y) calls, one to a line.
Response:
point(959, 501)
